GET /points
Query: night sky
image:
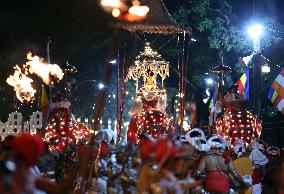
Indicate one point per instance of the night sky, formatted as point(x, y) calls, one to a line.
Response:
point(78, 32)
point(75, 28)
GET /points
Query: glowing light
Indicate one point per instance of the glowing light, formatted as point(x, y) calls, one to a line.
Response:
point(114, 61)
point(209, 81)
point(255, 31)
point(122, 10)
point(207, 92)
point(115, 13)
point(139, 10)
point(246, 60)
point(125, 124)
point(111, 3)
point(101, 86)
point(265, 68)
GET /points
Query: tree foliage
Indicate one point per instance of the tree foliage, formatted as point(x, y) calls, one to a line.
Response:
point(216, 19)
point(217, 23)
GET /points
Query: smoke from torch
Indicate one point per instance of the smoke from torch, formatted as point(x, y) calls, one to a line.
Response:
point(22, 85)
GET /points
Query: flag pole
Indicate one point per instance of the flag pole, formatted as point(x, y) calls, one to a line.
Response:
point(50, 87)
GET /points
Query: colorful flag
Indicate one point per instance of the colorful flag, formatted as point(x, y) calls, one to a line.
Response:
point(276, 92)
point(192, 112)
point(278, 84)
point(276, 100)
point(43, 102)
point(243, 84)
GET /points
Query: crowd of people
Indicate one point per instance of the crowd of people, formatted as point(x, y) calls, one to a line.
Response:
point(190, 163)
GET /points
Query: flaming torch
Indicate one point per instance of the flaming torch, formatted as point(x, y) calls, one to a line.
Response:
point(22, 85)
point(49, 73)
point(126, 10)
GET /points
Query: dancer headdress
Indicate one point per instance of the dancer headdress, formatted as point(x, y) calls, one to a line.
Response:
point(28, 147)
point(215, 142)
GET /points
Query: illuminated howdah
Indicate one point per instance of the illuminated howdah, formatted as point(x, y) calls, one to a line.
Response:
point(149, 109)
point(238, 123)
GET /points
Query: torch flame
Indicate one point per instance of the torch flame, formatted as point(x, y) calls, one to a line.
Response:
point(123, 10)
point(47, 72)
point(22, 85)
point(141, 11)
point(111, 3)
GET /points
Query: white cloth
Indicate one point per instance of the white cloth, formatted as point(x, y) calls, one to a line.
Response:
point(213, 143)
point(35, 171)
point(258, 158)
point(202, 135)
point(255, 144)
point(256, 189)
point(195, 141)
point(239, 144)
point(162, 103)
point(168, 186)
point(225, 142)
point(204, 147)
point(136, 108)
point(247, 179)
point(99, 185)
point(181, 139)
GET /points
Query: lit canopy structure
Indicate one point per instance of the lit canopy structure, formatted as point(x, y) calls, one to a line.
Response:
point(158, 21)
point(148, 64)
point(149, 109)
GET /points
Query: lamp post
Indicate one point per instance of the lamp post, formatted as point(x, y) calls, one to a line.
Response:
point(255, 31)
point(265, 69)
point(220, 71)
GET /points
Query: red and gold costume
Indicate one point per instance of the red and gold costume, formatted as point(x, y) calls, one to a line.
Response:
point(216, 181)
